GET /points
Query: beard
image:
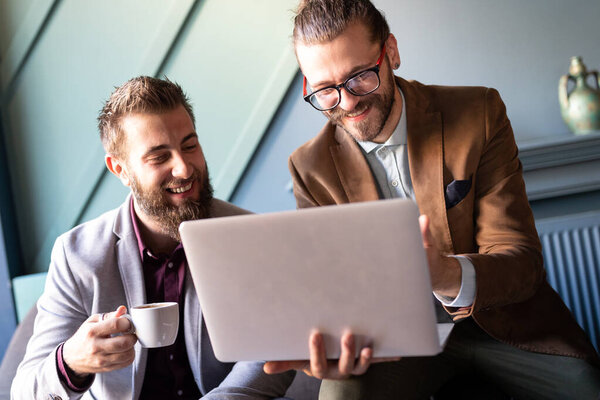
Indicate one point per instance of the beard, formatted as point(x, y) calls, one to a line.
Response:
point(154, 203)
point(367, 129)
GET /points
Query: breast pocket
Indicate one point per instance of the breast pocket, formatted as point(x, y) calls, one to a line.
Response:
point(459, 211)
point(456, 191)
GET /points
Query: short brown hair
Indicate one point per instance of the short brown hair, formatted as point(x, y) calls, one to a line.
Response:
point(319, 21)
point(143, 94)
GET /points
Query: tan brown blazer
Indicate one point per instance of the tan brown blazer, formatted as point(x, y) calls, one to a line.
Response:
point(460, 134)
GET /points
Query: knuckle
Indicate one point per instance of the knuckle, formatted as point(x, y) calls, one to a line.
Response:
point(94, 348)
point(122, 324)
point(114, 324)
point(89, 334)
point(128, 342)
point(98, 363)
point(131, 340)
point(318, 372)
point(120, 344)
point(345, 370)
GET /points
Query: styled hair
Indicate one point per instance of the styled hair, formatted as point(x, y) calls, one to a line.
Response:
point(143, 94)
point(319, 21)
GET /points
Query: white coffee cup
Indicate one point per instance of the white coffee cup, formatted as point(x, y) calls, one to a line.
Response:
point(155, 324)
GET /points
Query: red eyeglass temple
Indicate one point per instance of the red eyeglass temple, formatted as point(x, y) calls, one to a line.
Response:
point(379, 60)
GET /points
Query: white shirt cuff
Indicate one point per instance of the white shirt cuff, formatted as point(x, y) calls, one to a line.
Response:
point(466, 295)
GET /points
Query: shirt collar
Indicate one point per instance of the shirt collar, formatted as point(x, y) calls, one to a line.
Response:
point(398, 136)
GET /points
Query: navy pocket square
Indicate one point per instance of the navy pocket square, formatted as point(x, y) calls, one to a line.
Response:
point(456, 191)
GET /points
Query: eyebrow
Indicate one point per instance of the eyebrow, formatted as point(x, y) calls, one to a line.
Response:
point(192, 135)
point(160, 147)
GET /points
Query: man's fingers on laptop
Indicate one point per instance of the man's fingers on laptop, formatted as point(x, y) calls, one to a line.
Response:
point(346, 363)
point(319, 367)
point(364, 361)
point(318, 358)
point(276, 367)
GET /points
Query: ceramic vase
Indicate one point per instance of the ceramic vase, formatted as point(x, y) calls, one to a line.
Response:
point(580, 106)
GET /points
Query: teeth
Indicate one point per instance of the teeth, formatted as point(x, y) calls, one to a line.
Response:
point(355, 114)
point(181, 189)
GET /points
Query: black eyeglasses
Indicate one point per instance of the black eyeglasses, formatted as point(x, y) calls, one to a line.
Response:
point(360, 84)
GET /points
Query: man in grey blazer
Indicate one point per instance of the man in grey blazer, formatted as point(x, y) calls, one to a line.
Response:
point(132, 255)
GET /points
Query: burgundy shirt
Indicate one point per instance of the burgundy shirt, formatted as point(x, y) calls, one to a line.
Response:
point(168, 374)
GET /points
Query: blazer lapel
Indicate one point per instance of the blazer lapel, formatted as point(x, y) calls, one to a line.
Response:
point(426, 160)
point(192, 330)
point(132, 276)
point(352, 168)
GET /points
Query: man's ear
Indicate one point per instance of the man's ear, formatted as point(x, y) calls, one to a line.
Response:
point(392, 51)
point(117, 167)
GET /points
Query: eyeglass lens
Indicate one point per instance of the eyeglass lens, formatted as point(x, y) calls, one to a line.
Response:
point(359, 85)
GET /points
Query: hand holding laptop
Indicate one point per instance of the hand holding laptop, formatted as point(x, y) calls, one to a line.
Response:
point(445, 272)
point(349, 364)
point(319, 367)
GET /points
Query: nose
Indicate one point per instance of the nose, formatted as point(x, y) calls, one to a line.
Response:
point(347, 100)
point(181, 168)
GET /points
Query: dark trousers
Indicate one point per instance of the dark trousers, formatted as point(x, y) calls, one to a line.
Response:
point(472, 358)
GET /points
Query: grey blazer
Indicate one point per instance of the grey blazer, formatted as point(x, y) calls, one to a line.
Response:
point(95, 267)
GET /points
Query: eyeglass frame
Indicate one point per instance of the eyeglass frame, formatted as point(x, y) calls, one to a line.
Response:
point(339, 87)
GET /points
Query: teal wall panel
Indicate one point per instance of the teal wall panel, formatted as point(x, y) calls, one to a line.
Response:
point(62, 58)
point(51, 118)
point(9, 250)
point(20, 23)
point(109, 191)
point(12, 15)
point(236, 61)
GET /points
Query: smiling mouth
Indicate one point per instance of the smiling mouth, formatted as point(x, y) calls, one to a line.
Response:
point(181, 189)
point(357, 114)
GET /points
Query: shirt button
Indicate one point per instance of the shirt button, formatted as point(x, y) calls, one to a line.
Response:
point(395, 183)
point(171, 357)
point(179, 392)
point(170, 265)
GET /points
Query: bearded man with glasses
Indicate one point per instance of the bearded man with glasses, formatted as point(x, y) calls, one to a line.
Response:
point(451, 150)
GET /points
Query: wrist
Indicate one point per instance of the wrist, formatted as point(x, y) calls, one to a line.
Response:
point(448, 282)
point(75, 381)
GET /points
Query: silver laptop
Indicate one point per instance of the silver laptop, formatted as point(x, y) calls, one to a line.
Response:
point(266, 281)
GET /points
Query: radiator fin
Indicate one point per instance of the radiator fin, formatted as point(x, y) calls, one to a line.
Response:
point(571, 248)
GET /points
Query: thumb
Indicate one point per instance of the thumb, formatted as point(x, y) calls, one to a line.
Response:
point(121, 310)
point(115, 314)
point(425, 232)
point(104, 316)
point(277, 367)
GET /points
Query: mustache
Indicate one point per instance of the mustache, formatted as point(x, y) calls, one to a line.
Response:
point(337, 114)
point(181, 182)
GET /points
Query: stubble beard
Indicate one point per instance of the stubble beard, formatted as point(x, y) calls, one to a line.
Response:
point(154, 203)
point(369, 128)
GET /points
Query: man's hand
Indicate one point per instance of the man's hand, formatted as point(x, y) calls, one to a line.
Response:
point(93, 349)
point(445, 272)
point(318, 365)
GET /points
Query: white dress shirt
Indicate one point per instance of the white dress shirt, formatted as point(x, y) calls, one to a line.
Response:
point(389, 164)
